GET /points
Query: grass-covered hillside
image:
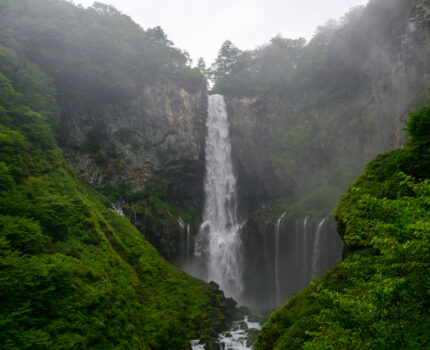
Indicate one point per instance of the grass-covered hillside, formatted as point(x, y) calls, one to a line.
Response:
point(378, 297)
point(74, 274)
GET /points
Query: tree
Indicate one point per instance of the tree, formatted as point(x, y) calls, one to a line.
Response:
point(201, 65)
point(157, 34)
point(205, 70)
point(227, 57)
point(105, 10)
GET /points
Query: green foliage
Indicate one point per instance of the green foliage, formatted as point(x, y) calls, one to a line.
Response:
point(23, 234)
point(377, 298)
point(95, 138)
point(418, 128)
point(97, 54)
point(227, 58)
point(153, 203)
point(74, 274)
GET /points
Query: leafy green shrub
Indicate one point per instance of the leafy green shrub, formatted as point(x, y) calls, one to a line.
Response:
point(95, 138)
point(418, 127)
point(23, 234)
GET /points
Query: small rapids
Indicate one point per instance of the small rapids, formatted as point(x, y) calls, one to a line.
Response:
point(238, 338)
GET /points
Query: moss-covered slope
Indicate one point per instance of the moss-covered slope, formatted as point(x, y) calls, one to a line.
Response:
point(377, 298)
point(74, 274)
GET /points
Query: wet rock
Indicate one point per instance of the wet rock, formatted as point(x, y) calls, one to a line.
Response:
point(243, 326)
point(212, 344)
point(252, 337)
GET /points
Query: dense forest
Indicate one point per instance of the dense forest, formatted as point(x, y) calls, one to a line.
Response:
point(102, 169)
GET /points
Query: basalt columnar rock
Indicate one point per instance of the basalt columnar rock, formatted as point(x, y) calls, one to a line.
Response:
point(160, 133)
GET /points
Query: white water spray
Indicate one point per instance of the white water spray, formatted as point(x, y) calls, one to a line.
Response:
point(220, 227)
point(117, 208)
point(235, 339)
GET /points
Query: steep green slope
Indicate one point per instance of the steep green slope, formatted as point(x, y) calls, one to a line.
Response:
point(74, 274)
point(378, 297)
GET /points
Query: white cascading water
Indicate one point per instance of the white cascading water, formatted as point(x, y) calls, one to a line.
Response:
point(235, 339)
point(184, 230)
point(220, 228)
point(305, 244)
point(117, 207)
point(277, 285)
point(317, 249)
point(297, 241)
point(187, 251)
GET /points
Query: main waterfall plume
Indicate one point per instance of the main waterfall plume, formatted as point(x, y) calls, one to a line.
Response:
point(219, 232)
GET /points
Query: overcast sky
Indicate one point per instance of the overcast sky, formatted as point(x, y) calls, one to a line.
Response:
point(201, 26)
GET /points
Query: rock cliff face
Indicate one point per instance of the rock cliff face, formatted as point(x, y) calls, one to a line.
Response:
point(287, 143)
point(298, 153)
point(159, 135)
point(283, 255)
point(254, 123)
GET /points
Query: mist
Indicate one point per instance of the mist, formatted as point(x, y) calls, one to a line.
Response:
point(176, 172)
point(200, 27)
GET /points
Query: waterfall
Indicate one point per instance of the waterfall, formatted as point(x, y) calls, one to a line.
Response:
point(182, 229)
point(117, 207)
point(133, 209)
point(187, 250)
point(305, 245)
point(317, 250)
point(234, 339)
point(277, 286)
point(297, 247)
point(266, 255)
point(219, 232)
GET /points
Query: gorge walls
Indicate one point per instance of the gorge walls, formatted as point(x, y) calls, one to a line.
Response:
point(155, 139)
point(310, 116)
point(283, 255)
point(160, 134)
point(305, 119)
